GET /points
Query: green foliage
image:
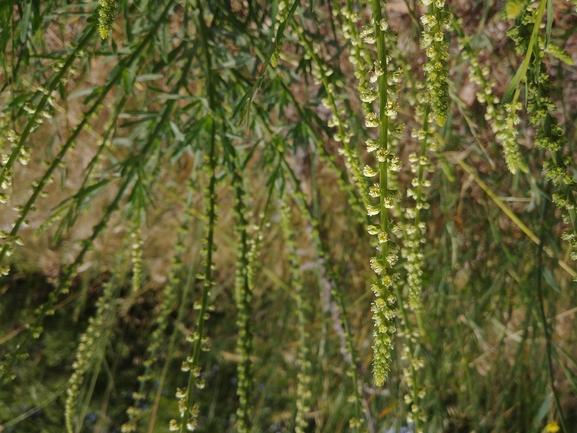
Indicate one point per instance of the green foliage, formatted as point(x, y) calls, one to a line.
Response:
point(204, 202)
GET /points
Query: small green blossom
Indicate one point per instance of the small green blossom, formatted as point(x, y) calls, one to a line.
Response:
point(436, 69)
point(106, 16)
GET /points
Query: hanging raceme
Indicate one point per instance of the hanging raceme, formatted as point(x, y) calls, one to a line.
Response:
point(145, 103)
point(38, 110)
point(243, 299)
point(136, 252)
point(411, 354)
point(415, 227)
point(436, 46)
point(359, 56)
point(157, 337)
point(383, 263)
point(106, 16)
point(412, 332)
point(559, 168)
point(283, 15)
point(525, 36)
point(550, 135)
point(188, 410)
point(504, 127)
point(360, 59)
point(303, 362)
point(93, 343)
point(340, 312)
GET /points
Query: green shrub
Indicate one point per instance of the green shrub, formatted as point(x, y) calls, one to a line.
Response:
point(204, 200)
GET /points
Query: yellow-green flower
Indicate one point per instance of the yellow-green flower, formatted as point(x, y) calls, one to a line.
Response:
point(552, 427)
point(107, 15)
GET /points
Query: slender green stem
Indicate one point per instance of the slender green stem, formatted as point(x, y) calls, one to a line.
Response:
point(51, 85)
point(527, 60)
point(181, 311)
point(383, 127)
point(414, 386)
point(208, 281)
point(188, 410)
point(546, 328)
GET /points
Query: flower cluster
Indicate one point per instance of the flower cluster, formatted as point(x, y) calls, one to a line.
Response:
point(282, 15)
point(414, 362)
point(505, 128)
point(106, 16)
point(410, 375)
point(243, 297)
point(359, 55)
point(412, 252)
point(437, 49)
point(503, 117)
point(338, 311)
point(92, 344)
point(136, 254)
point(188, 410)
point(556, 51)
point(415, 228)
point(304, 376)
point(21, 153)
point(157, 337)
point(551, 137)
point(385, 81)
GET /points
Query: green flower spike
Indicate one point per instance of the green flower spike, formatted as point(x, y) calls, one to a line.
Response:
point(107, 15)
